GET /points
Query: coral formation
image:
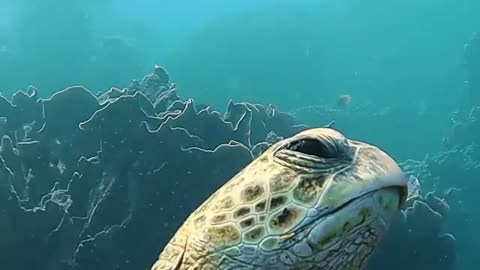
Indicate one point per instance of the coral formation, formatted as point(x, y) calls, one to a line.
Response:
point(465, 128)
point(417, 239)
point(102, 182)
point(453, 175)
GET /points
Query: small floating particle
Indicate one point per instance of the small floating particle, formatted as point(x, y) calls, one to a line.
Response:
point(344, 100)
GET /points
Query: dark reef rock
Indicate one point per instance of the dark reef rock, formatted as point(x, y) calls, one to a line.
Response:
point(156, 87)
point(416, 239)
point(103, 181)
point(453, 175)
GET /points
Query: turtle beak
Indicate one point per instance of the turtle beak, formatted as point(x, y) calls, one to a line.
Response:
point(396, 180)
point(371, 171)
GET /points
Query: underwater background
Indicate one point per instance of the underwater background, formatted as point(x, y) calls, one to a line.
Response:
point(100, 99)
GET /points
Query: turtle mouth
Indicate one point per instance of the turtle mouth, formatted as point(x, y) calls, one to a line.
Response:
point(395, 181)
point(401, 190)
point(403, 195)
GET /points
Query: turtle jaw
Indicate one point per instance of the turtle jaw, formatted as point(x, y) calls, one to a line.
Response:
point(354, 230)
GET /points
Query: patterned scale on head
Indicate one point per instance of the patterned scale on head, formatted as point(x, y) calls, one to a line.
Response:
point(316, 200)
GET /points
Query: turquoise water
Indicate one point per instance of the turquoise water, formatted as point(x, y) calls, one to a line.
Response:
point(292, 54)
point(402, 62)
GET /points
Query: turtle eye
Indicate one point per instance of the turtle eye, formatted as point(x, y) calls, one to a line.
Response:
point(311, 147)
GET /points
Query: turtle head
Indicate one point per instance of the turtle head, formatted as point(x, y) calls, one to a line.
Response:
point(316, 200)
point(350, 190)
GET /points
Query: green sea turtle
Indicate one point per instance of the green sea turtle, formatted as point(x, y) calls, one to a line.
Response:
point(316, 200)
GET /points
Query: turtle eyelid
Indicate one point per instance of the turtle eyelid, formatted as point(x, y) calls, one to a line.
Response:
point(312, 147)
